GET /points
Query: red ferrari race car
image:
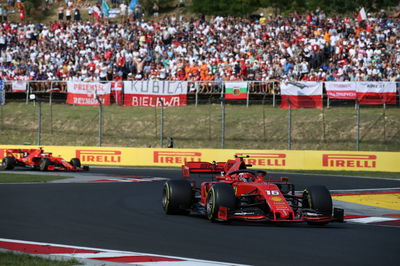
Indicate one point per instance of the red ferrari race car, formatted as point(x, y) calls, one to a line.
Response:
point(246, 194)
point(38, 159)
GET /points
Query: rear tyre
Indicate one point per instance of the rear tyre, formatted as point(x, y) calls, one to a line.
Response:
point(75, 162)
point(44, 164)
point(319, 199)
point(220, 195)
point(177, 197)
point(8, 163)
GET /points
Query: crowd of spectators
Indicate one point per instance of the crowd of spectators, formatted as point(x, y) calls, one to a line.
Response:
point(295, 47)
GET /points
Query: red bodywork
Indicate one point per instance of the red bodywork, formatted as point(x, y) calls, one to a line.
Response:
point(32, 158)
point(276, 197)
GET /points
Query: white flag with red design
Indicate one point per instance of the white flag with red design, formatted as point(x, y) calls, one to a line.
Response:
point(341, 90)
point(305, 94)
point(374, 92)
point(88, 93)
point(361, 15)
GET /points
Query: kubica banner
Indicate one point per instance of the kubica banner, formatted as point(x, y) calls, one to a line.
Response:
point(260, 159)
point(155, 93)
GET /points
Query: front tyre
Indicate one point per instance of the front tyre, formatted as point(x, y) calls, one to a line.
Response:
point(75, 162)
point(318, 198)
point(44, 164)
point(177, 196)
point(8, 163)
point(220, 195)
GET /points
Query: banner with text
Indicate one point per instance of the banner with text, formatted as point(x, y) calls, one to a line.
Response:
point(304, 94)
point(19, 86)
point(376, 92)
point(155, 93)
point(88, 93)
point(341, 90)
point(260, 159)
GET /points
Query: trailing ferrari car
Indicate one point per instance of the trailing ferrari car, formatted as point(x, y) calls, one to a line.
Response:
point(39, 159)
point(246, 194)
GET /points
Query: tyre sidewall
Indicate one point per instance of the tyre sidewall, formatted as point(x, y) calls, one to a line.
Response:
point(177, 196)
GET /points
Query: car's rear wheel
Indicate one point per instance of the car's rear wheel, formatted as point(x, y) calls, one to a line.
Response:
point(319, 199)
point(8, 163)
point(75, 162)
point(177, 197)
point(219, 195)
point(44, 164)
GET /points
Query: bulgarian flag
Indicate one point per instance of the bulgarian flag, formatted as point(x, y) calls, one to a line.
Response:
point(236, 90)
point(306, 94)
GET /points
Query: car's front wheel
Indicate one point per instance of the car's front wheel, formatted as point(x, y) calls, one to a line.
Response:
point(75, 162)
point(219, 195)
point(8, 163)
point(177, 196)
point(318, 198)
point(44, 164)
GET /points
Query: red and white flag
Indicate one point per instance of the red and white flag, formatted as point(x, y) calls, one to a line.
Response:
point(96, 12)
point(117, 91)
point(19, 86)
point(361, 15)
point(152, 92)
point(306, 94)
point(376, 92)
point(341, 90)
point(88, 93)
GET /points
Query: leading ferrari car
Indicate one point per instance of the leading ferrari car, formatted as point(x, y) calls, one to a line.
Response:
point(39, 159)
point(246, 194)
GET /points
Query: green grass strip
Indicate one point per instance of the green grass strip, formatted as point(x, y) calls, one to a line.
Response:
point(14, 259)
point(342, 173)
point(26, 178)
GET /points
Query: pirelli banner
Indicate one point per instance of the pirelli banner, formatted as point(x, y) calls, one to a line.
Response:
point(261, 159)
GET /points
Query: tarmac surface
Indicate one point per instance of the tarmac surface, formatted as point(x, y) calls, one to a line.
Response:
point(120, 209)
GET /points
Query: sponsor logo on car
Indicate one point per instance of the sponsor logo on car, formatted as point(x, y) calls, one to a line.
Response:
point(99, 156)
point(265, 159)
point(276, 199)
point(349, 160)
point(176, 157)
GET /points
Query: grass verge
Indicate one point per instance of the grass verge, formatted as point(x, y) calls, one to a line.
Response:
point(17, 259)
point(25, 178)
point(395, 175)
point(254, 127)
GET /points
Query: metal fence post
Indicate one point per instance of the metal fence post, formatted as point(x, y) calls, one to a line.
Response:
point(40, 122)
point(290, 126)
point(358, 126)
point(273, 95)
point(100, 119)
point(196, 96)
point(222, 123)
point(161, 122)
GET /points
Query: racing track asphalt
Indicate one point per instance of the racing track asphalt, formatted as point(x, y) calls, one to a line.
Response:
point(128, 216)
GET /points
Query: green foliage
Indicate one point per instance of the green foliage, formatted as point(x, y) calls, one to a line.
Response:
point(225, 8)
point(13, 259)
point(244, 7)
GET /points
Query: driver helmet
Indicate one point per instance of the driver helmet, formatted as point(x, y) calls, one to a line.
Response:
point(246, 177)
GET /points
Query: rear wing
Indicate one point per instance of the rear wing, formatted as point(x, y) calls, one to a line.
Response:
point(202, 168)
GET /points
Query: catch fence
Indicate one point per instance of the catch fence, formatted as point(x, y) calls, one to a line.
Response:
point(207, 121)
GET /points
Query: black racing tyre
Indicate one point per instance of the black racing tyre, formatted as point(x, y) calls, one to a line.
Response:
point(44, 164)
point(177, 196)
point(76, 162)
point(319, 199)
point(8, 163)
point(219, 195)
